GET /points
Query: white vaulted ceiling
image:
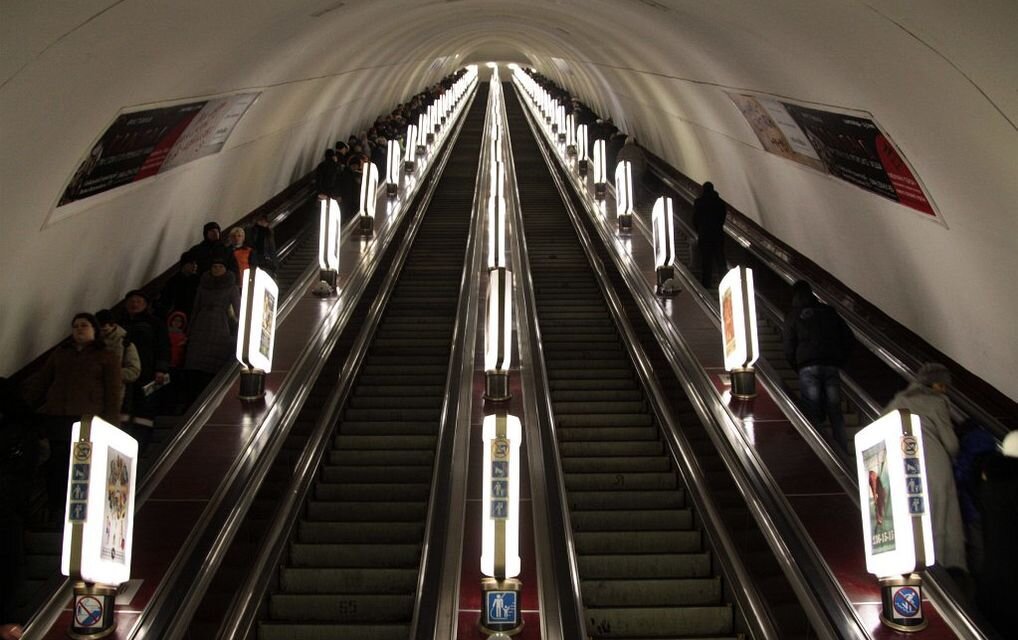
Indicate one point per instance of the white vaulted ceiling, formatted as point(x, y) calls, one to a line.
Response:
point(940, 76)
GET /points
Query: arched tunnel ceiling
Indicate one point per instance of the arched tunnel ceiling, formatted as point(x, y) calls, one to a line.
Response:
point(939, 76)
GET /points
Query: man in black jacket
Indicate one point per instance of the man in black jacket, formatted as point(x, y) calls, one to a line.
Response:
point(709, 214)
point(817, 344)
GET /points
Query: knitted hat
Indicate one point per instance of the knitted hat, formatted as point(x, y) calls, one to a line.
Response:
point(208, 226)
point(932, 373)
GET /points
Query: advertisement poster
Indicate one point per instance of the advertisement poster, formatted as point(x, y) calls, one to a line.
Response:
point(728, 322)
point(118, 492)
point(852, 148)
point(268, 324)
point(881, 518)
point(141, 144)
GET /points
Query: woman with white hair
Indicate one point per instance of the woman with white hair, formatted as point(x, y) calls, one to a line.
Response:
point(927, 398)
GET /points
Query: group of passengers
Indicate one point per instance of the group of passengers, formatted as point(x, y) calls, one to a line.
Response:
point(973, 482)
point(339, 174)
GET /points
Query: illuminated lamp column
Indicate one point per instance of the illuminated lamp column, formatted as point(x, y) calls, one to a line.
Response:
point(582, 154)
point(624, 195)
point(256, 336)
point(392, 160)
point(329, 228)
point(664, 245)
point(98, 523)
point(600, 171)
point(369, 189)
point(436, 123)
point(548, 107)
point(496, 218)
point(570, 135)
point(560, 120)
point(423, 133)
point(896, 523)
point(498, 339)
point(502, 436)
point(554, 117)
point(410, 154)
point(739, 335)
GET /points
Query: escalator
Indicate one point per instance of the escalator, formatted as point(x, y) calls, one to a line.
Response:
point(645, 566)
point(351, 567)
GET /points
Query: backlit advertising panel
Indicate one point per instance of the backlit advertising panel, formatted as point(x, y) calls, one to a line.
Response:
point(896, 524)
point(737, 301)
point(258, 305)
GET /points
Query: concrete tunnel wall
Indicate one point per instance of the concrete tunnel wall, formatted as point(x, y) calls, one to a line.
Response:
point(939, 77)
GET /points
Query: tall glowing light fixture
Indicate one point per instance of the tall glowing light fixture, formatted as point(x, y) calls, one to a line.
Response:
point(737, 299)
point(98, 540)
point(501, 437)
point(436, 123)
point(392, 161)
point(582, 153)
point(498, 338)
point(600, 170)
point(560, 118)
point(663, 224)
point(423, 133)
point(369, 187)
point(256, 335)
point(329, 228)
point(410, 154)
point(571, 135)
point(624, 195)
point(896, 521)
point(497, 218)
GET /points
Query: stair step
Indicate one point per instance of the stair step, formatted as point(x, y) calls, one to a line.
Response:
point(341, 607)
point(650, 593)
point(654, 565)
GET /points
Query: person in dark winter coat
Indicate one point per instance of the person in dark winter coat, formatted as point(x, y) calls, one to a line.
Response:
point(263, 241)
point(817, 343)
point(926, 397)
point(211, 246)
point(211, 342)
point(178, 293)
point(709, 214)
point(148, 334)
point(80, 378)
point(997, 581)
point(327, 176)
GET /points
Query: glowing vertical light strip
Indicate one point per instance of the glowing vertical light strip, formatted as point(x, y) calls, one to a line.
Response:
point(499, 335)
point(664, 232)
point(581, 142)
point(329, 227)
point(600, 172)
point(497, 217)
point(369, 186)
point(411, 144)
point(624, 188)
point(392, 162)
point(570, 130)
point(502, 436)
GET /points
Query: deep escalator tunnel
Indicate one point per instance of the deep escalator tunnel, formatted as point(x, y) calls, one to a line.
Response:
point(645, 566)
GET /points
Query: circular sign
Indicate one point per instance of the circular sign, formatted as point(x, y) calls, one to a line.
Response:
point(88, 612)
point(909, 446)
point(82, 451)
point(906, 602)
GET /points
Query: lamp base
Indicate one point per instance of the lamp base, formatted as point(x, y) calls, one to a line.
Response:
point(744, 383)
point(561, 136)
point(366, 225)
point(391, 189)
point(582, 166)
point(329, 277)
point(430, 138)
point(93, 611)
point(500, 602)
point(409, 166)
point(902, 600)
point(252, 384)
point(664, 274)
point(625, 221)
point(496, 386)
point(600, 189)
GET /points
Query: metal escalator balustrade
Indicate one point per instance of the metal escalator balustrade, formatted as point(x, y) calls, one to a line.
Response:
point(352, 566)
point(645, 569)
